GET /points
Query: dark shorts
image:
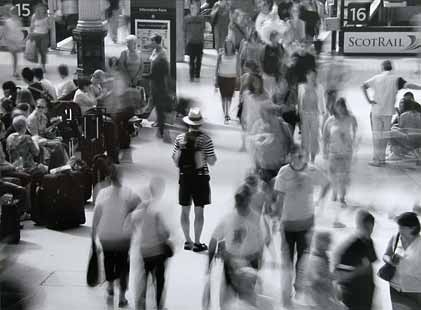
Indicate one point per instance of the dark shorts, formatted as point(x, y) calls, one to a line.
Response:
point(194, 188)
point(226, 86)
point(71, 21)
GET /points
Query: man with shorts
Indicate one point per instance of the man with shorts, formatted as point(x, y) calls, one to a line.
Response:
point(192, 153)
point(385, 87)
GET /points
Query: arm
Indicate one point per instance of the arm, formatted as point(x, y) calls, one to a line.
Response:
point(218, 62)
point(95, 220)
point(325, 139)
point(412, 86)
point(279, 204)
point(211, 252)
point(364, 88)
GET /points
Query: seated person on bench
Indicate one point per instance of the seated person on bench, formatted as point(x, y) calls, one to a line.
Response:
point(23, 151)
point(42, 129)
point(406, 129)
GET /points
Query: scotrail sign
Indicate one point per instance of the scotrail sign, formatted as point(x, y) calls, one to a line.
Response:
point(382, 42)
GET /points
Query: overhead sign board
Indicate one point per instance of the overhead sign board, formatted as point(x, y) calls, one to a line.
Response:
point(382, 42)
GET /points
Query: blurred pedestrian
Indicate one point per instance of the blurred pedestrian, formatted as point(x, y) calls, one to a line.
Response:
point(39, 32)
point(155, 245)
point(240, 239)
point(192, 153)
point(250, 50)
point(113, 206)
point(131, 63)
point(112, 15)
point(317, 277)
point(194, 31)
point(220, 19)
point(354, 265)
point(295, 185)
point(404, 252)
point(339, 135)
point(159, 77)
point(13, 35)
point(226, 75)
point(312, 110)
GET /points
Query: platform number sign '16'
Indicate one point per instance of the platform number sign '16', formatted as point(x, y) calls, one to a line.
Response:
point(358, 13)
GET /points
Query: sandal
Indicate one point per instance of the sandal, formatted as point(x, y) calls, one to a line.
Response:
point(188, 246)
point(199, 247)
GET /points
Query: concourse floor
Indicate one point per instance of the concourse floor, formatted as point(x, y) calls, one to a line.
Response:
point(53, 264)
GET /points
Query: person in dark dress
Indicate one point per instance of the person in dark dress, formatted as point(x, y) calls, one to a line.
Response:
point(354, 267)
point(160, 70)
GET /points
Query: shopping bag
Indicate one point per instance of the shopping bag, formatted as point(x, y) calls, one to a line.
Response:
point(92, 275)
point(31, 51)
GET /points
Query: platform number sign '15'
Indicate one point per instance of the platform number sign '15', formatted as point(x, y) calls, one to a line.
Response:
point(358, 13)
point(24, 9)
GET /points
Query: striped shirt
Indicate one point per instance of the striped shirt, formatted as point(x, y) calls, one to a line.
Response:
point(204, 144)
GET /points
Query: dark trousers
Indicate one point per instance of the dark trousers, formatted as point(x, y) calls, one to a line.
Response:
point(195, 52)
point(154, 266)
point(116, 266)
point(19, 193)
point(409, 300)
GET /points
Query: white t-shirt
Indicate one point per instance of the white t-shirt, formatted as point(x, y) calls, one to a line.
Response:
point(298, 187)
point(114, 204)
point(49, 87)
point(385, 86)
point(243, 235)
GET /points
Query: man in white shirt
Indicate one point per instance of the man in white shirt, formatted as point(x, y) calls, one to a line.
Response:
point(295, 185)
point(385, 86)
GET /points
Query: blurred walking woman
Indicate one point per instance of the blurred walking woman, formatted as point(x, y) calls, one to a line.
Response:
point(39, 32)
point(131, 63)
point(112, 208)
point(312, 109)
point(338, 139)
point(13, 35)
point(227, 71)
point(404, 252)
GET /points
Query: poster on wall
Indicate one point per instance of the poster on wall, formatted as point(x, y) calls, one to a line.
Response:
point(144, 30)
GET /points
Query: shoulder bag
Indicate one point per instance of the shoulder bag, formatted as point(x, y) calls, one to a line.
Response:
point(387, 271)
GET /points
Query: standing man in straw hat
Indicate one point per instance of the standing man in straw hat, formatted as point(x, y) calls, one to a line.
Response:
point(192, 153)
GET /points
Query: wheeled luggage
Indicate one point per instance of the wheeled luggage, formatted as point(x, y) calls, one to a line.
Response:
point(9, 223)
point(61, 200)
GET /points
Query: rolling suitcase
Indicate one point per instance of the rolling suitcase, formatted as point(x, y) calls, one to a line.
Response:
point(92, 142)
point(9, 224)
point(61, 200)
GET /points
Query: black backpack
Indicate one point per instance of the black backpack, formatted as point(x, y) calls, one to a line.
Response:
point(187, 161)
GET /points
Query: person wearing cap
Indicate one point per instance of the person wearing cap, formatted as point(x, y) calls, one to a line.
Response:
point(405, 286)
point(354, 265)
point(385, 87)
point(194, 182)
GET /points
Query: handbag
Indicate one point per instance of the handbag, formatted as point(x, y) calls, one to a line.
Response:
point(92, 275)
point(30, 53)
point(387, 271)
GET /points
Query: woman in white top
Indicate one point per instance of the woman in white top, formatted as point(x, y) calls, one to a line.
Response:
point(39, 32)
point(226, 74)
point(110, 223)
point(13, 35)
point(312, 110)
point(404, 252)
point(84, 96)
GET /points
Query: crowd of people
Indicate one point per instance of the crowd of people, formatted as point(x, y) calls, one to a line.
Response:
point(290, 112)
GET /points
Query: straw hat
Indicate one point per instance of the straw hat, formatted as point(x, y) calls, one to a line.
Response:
point(194, 117)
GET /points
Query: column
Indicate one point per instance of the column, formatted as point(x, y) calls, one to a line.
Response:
point(89, 35)
point(180, 33)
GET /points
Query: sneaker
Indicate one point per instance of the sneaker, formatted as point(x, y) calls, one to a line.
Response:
point(123, 302)
point(375, 164)
point(393, 157)
point(199, 247)
point(338, 224)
